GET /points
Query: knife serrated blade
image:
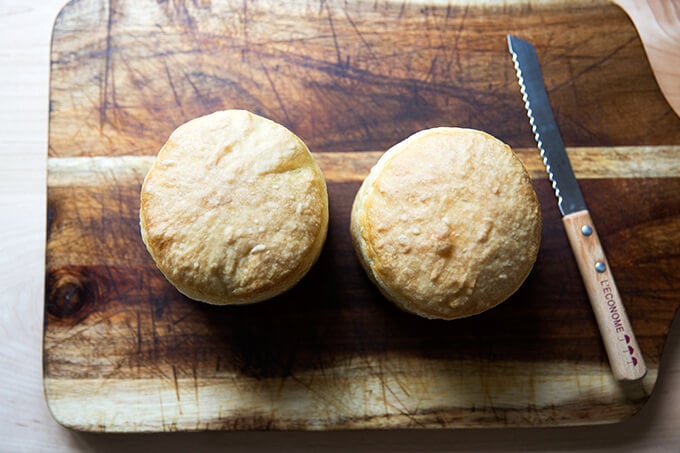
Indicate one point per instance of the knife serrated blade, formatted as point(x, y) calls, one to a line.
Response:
point(569, 198)
point(623, 351)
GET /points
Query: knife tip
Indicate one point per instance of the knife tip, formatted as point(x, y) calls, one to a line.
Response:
point(514, 42)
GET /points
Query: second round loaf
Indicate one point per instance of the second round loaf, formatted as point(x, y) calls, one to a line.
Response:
point(447, 224)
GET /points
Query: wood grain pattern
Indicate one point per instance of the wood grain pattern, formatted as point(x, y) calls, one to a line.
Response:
point(116, 329)
point(124, 351)
point(658, 23)
point(345, 76)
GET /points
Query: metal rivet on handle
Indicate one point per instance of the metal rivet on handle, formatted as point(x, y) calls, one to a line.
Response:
point(600, 267)
point(586, 230)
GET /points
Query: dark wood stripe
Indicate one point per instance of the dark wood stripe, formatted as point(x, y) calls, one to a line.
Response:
point(111, 313)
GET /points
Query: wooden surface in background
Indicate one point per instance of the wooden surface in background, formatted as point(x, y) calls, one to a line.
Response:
point(125, 352)
point(658, 24)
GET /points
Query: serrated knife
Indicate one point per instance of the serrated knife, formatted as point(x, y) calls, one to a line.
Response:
point(623, 351)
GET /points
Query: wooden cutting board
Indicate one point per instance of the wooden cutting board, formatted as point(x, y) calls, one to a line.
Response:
point(124, 351)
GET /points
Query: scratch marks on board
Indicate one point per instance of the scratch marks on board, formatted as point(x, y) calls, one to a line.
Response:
point(455, 50)
point(596, 64)
point(246, 42)
point(280, 101)
point(176, 384)
point(108, 73)
point(360, 35)
point(338, 54)
point(178, 101)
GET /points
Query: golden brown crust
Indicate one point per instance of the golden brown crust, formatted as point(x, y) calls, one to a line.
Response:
point(447, 224)
point(234, 209)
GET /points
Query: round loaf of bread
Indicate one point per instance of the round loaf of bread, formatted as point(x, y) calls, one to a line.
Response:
point(447, 224)
point(234, 209)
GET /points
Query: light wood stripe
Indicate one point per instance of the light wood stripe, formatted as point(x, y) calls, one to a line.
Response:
point(354, 396)
point(588, 163)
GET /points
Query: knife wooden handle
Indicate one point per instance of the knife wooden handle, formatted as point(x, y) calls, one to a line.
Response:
point(625, 357)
